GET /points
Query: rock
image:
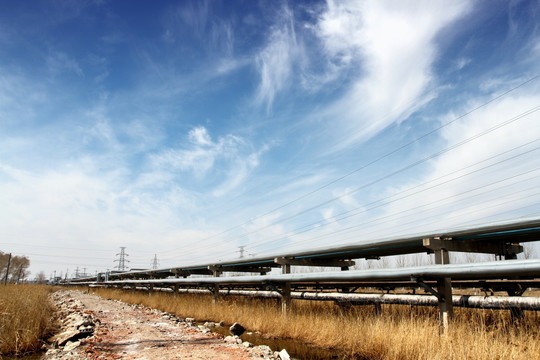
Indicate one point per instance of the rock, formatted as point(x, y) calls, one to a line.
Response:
point(71, 346)
point(237, 329)
point(230, 340)
point(222, 323)
point(190, 320)
point(264, 351)
point(52, 354)
point(204, 330)
point(63, 338)
point(284, 355)
point(84, 324)
point(247, 344)
point(210, 324)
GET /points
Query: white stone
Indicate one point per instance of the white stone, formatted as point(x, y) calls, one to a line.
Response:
point(71, 346)
point(284, 355)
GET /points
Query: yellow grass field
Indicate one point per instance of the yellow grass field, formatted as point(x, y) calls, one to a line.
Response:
point(398, 333)
point(25, 317)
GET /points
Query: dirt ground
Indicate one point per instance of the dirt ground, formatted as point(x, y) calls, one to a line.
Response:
point(123, 331)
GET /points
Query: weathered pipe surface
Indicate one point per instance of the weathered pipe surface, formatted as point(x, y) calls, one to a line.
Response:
point(467, 301)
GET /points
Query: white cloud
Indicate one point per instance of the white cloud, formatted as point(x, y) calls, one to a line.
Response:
point(486, 179)
point(232, 157)
point(462, 62)
point(59, 62)
point(392, 43)
point(238, 173)
point(275, 62)
point(19, 98)
point(74, 208)
point(199, 136)
point(346, 197)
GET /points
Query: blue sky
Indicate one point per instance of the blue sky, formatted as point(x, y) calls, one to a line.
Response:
point(187, 129)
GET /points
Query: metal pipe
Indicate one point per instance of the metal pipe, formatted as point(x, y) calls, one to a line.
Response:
point(465, 301)
point(407, 244)
point(477, 271)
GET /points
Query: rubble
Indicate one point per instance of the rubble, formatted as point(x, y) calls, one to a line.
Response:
point(91, 327)
point(75, 323)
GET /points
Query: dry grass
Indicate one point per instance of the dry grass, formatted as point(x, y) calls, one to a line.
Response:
point(398, 333)
point(25, 317)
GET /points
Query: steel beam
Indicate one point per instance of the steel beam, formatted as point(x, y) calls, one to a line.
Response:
point(314, 262)
point(487, 247)
point(240, 268)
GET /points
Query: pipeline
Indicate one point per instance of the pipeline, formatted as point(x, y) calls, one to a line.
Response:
point(466, 301)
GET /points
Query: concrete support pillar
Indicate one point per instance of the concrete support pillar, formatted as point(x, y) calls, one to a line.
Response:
point(442, 257)
point(176, 286)
point(286, 298)
point(377, 309)
point(516, 314)
point(215, 294)
point(444, 288)
point(215, 291)
point(286, 268)
point(446, 308)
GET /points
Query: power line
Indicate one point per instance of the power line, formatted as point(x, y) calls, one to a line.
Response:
point(52, 247)
point(377, 159)
point(60, 256)
point(460, 215)
point(391, 174)
point(380, 202)
point(343, 177)
point(415, 209)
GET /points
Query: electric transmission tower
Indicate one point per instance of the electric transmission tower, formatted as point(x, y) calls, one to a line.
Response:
point(241, 250)
point(122, 259)
point(155, 262)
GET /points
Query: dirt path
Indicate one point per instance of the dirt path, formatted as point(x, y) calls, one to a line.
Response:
point(122, 331)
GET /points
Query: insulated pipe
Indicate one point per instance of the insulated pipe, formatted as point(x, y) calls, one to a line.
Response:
point(465, 301)
point(506, 230)
point(477, 271)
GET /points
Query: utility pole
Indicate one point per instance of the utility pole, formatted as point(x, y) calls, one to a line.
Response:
point(155, 262)
point(7, 270)
point(122, 259)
